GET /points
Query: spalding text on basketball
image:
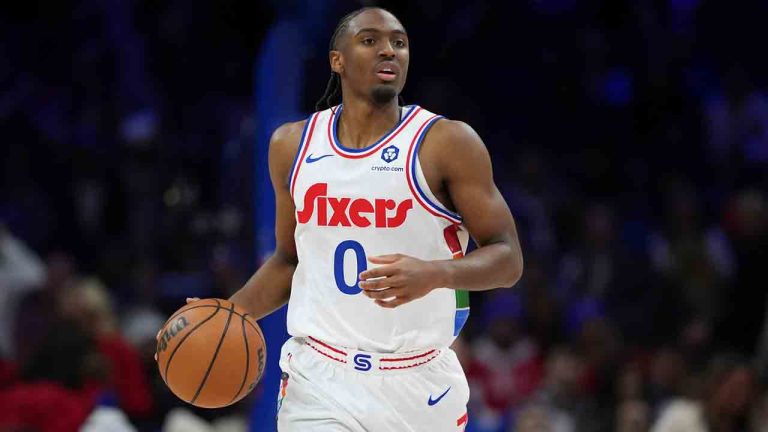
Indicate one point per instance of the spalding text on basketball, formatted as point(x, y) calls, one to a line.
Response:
point(333, 211)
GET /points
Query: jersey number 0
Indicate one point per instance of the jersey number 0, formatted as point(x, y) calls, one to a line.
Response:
point(338, 266)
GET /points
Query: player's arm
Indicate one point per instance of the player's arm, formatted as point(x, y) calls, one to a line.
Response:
point(465, 166)
point(460, 159)
point(270, 287)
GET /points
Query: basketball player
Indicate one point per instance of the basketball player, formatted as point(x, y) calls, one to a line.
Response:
point(375, 202)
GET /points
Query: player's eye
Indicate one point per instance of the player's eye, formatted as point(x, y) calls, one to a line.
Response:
point(400, 43)
point(368, 41)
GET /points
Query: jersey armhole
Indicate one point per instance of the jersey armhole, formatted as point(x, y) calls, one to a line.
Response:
point(306, 137)
point(417, 182)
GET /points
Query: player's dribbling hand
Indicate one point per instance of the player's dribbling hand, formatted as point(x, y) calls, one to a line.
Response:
point(400, 279)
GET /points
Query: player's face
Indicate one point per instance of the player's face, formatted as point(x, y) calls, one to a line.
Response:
point(372, 56)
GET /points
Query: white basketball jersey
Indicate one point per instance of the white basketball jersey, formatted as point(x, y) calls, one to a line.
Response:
point(356, 203)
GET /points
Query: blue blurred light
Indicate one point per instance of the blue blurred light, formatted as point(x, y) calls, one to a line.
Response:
point(617, 87)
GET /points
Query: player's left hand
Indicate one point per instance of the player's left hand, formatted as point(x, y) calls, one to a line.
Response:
point(400, 279)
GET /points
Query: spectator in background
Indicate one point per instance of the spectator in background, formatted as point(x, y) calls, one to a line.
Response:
point(745, 307)
point(90, 306)
point(538, 419)
point(542, 313)
point(508, 362)
point(759, 417)
point(600, 267)
point(667, 377)
point(534, 195)
point(598, 344)
point(632, 415)
point(38, 311)
point(725, 403)
point(694, 261)
point(141, 319)
point(482, 416)
point(630, 383)
point(21, 272)
point(59, 385)
point(561, 399)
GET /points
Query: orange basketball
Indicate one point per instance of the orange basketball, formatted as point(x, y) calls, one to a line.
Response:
point(211, 353)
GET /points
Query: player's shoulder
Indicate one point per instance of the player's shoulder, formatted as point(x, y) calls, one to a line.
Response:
point(454, 131)
point(283, 146)
point(455, 137)
point(453, 147)
point(288, 134)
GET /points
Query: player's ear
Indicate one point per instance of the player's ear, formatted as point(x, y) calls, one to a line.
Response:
point(336, 64)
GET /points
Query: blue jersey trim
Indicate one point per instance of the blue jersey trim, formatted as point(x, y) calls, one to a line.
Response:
point(298, 151)
point(460, 318)
point(414, 161)
point(361, 150)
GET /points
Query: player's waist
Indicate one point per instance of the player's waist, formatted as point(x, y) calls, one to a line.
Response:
point(372, 362)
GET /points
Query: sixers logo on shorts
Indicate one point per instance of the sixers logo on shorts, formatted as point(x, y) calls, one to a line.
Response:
point(363, 362)
point(342, 211)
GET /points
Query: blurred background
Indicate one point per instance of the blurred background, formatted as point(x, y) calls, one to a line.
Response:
point(630, 139)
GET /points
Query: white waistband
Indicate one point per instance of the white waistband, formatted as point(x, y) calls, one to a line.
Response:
point(364, 361)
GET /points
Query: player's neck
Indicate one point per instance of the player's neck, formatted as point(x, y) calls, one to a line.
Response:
point(363, 123)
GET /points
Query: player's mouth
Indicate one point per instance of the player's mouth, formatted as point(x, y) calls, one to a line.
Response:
point(387, 71)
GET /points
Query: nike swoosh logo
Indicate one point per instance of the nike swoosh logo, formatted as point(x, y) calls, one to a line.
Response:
point(431, 401)
point(310, 159)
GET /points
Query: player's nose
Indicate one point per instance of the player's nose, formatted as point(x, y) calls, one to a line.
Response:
point(387, 50)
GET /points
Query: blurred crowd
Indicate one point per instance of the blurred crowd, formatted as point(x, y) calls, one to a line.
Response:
point(69, 362)
point(630, 139)
point(619, 340)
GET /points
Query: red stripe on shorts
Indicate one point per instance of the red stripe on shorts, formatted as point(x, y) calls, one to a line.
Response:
point(408, 358)
point(328, 346)
point(327, 355)
point(463, 419)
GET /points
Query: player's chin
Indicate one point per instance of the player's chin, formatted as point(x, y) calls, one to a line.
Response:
point(384, 93)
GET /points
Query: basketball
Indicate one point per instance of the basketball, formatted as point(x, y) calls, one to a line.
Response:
point(210, 353)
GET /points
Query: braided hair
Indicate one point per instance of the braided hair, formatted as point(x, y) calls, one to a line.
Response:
point(332, 95)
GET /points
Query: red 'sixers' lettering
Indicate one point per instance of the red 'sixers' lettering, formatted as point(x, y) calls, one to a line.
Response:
point(360, 212)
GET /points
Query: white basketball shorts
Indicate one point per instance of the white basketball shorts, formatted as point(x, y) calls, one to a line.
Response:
point(327, 388)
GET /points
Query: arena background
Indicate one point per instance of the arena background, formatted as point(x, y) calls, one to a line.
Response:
point(630, 139)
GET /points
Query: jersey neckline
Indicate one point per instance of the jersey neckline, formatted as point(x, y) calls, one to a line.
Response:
point(354, 152)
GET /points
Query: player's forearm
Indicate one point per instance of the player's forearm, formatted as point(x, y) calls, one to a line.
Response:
point(268, 289)
point(492, 266)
